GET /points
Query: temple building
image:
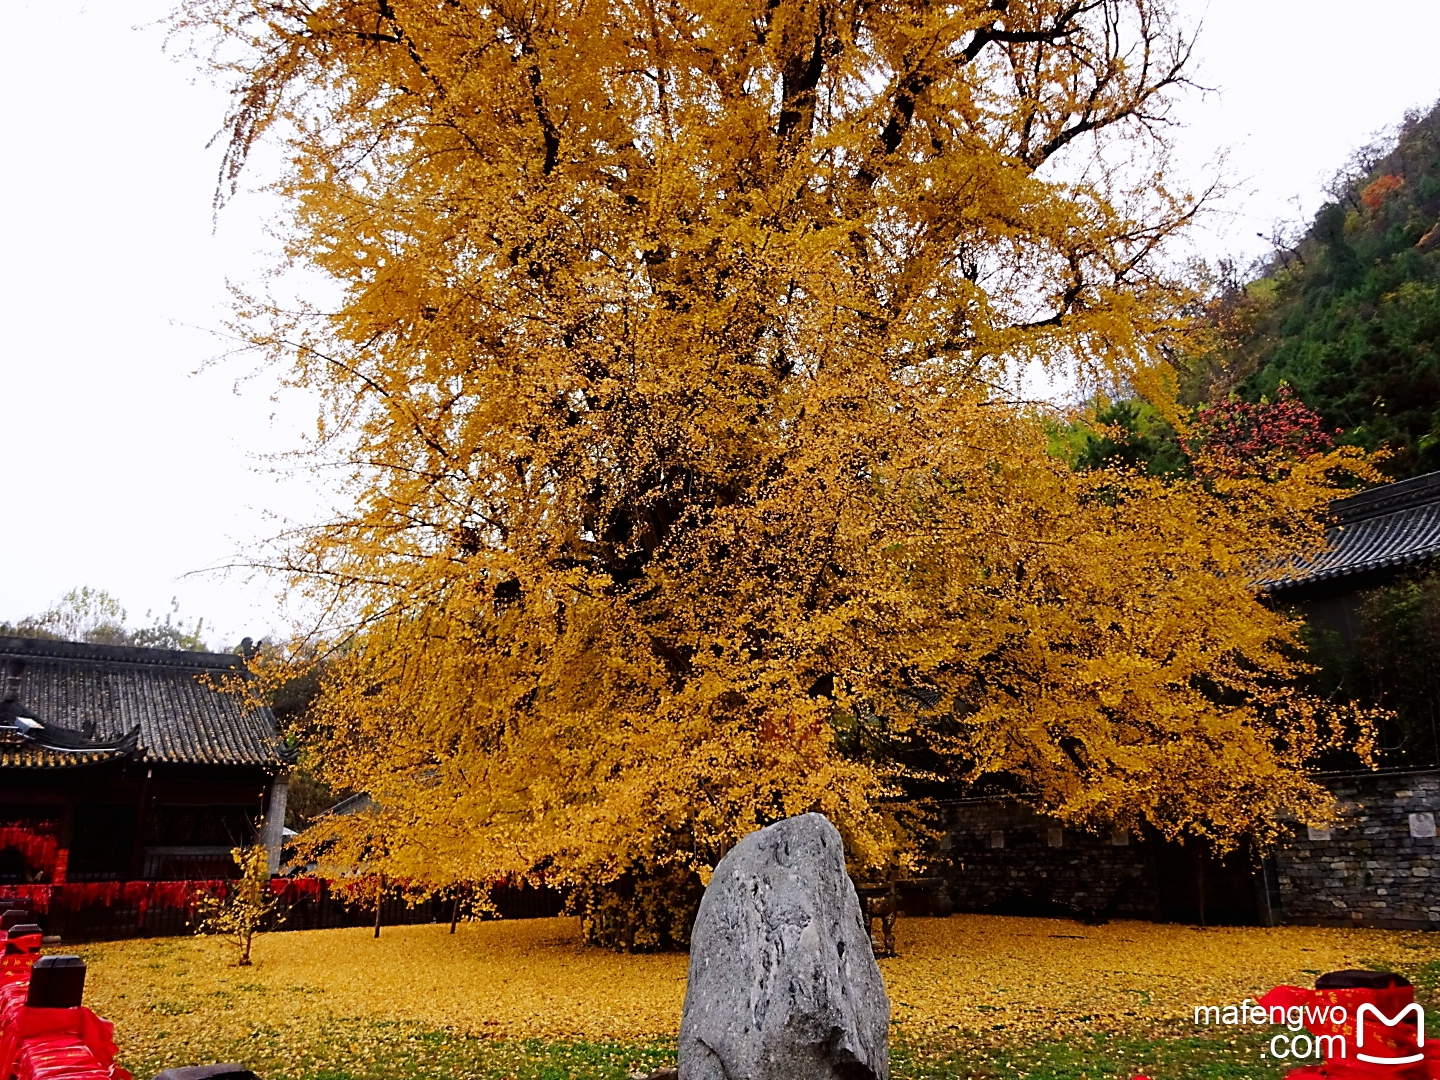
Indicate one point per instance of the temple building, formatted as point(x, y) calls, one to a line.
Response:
point(1375, 537)
point(121, 764)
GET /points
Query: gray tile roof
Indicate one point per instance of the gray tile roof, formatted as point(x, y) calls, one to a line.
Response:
point(1386, 528)
point(98, 696)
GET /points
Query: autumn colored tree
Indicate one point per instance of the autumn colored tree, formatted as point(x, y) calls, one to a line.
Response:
point(238, 915)
point(675, 379)
point(1263, 438)
point(1236, 437)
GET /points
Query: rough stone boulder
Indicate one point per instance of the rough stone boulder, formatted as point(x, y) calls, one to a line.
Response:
point(783, 982)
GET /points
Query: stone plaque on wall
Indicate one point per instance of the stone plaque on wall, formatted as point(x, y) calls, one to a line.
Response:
point(1317, 834)
point(1422, 826)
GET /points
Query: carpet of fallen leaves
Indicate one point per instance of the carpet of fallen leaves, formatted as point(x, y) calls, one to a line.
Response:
point(1010, 980)
point(1023, 979)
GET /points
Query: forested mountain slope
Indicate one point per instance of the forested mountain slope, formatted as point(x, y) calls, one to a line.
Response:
point(1349, 314)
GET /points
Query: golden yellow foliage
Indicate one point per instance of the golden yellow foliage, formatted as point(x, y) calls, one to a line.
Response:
point(674, 376)
point(1008, 980)
point(239, 914)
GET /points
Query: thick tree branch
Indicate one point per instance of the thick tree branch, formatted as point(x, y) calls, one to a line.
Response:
point(799, 78)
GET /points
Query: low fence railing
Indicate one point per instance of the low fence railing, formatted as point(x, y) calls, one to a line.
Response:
point(114, 910)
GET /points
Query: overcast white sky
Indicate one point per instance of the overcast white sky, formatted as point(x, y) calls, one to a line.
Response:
point(125, 470)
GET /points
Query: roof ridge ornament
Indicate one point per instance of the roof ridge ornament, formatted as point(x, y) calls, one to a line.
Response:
point(68, 741)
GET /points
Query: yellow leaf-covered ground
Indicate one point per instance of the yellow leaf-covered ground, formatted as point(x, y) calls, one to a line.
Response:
point(1016, 979)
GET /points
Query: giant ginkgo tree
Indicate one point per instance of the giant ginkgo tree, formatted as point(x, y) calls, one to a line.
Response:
point(675, 378)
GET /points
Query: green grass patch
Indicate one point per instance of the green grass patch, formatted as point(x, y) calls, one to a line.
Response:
point(366, 1050)
point(370, 1050)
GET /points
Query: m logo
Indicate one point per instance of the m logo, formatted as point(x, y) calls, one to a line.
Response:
point(1389, 1021)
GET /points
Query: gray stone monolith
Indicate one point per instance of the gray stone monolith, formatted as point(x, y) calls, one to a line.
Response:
point(783, 981)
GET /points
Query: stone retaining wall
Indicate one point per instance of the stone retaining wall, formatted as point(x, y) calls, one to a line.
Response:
point(1371, 869)
point(1005, 858)
point(1378, 866)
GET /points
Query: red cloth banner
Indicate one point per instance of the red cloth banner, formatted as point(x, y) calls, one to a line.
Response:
point(37, 845)
point(1393, 1044)
point(291, 890)
point(80, 894)
point(74, 895)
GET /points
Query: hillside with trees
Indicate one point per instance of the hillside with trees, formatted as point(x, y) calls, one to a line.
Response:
point(1333, 336)
point(1348, 313)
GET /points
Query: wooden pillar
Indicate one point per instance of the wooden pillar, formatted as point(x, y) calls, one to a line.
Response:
point(272, 835)
point(136, 868)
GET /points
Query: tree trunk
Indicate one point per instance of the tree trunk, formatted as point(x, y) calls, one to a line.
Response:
point(454, 912)
point(1200, 879)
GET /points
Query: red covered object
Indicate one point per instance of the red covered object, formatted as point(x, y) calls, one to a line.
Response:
point(45, 1039)
point(12, 1000)
point(17, 958)
point(16, 943)
point(54, 1058)
point(48, 1044)
point(1396, 1052)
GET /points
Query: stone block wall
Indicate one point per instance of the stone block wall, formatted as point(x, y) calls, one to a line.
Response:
point(1378, 866)
point(1005, 858)
point(1369, 870)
